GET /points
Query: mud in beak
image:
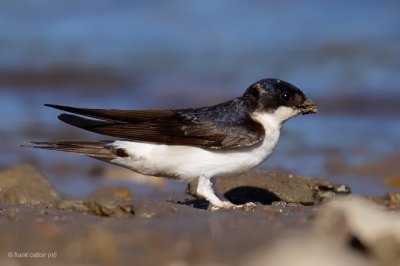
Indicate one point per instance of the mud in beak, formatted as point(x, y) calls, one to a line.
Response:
point(308, 107)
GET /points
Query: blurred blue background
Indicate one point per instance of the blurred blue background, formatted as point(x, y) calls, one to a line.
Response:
point(174, 54)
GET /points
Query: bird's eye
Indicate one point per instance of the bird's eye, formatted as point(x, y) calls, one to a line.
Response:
point(286, 96)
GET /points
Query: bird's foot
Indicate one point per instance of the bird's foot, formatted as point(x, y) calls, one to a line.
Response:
point(229, 205)
point(221, 205)
point(204, 189)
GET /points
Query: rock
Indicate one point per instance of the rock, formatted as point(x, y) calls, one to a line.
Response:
point(267, 187)
point(107, 208)
point(25, 185)
point(364, 226)
point(393, 200)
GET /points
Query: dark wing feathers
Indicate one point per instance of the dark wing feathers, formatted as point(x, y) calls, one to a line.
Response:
point(204, 127)
point(129, 116)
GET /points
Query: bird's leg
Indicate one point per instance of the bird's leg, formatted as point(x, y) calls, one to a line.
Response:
point(204, 189)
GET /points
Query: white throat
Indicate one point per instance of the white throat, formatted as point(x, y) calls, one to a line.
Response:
point(276, 118)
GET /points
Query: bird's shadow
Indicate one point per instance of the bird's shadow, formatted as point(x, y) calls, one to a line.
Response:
point(238, 196)
point(246, 194)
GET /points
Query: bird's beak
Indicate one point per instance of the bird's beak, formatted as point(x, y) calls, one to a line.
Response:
point(308, 107)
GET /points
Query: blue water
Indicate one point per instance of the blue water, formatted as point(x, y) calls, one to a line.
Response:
point(318, 45)
point(193, 53)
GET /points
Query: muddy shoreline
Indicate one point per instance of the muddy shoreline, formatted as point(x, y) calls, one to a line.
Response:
point(116, 227)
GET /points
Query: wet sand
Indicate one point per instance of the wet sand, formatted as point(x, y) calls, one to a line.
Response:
point(116, 227)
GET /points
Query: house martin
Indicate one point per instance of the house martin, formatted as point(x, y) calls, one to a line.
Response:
point(194, 143)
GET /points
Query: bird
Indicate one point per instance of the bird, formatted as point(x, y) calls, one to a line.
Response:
point(190, 144)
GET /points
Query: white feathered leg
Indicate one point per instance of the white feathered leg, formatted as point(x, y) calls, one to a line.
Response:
point(205, 189)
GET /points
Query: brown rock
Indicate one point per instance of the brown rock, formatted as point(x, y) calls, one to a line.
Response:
point(25, 185)
point(107, 208)
point(393, 200)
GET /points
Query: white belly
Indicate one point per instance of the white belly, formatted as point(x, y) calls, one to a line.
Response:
point(188, 163)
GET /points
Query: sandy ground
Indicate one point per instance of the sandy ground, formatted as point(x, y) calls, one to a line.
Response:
point(115, 227)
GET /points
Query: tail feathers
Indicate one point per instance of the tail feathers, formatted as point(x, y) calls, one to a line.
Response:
point(93, 149)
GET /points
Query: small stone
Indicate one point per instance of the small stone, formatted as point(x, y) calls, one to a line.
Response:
point(393, 200)
point(105, 208)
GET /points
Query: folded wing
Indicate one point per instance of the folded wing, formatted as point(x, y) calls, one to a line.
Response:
point(203, 127)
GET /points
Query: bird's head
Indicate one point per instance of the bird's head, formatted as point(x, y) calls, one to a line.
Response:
point(280, 98)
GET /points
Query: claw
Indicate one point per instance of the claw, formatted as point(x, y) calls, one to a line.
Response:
point(229, 205)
